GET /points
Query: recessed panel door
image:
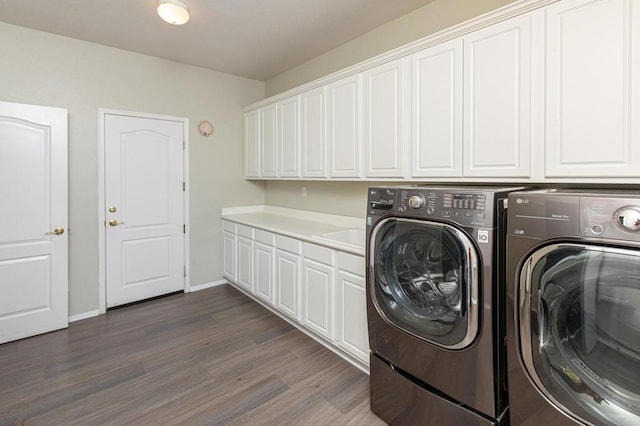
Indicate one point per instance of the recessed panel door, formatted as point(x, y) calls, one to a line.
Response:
point(145, 208)
point(33, 220)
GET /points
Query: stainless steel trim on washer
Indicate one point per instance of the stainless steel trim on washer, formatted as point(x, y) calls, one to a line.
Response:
point(471, 303)
point(523, 319)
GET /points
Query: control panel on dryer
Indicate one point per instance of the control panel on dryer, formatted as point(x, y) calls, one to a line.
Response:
point(610, 217)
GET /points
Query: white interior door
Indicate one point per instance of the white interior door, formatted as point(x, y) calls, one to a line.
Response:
point(144, 199)
point(33, 220)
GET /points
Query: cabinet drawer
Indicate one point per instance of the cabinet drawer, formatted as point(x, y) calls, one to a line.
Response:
point(351, 263)
point(318, 253)
point(264, 237)
point(245, 231)
point(288, 244)
point(229, 226)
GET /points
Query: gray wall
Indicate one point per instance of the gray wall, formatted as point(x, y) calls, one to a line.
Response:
point(429, 19)
point(45, 69)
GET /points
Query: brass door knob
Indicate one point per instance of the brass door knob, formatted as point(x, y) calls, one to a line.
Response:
point(114, 222)
point(57, 231)
point(113, 209)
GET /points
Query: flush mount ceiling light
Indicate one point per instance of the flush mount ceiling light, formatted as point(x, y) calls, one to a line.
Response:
point(173, 11)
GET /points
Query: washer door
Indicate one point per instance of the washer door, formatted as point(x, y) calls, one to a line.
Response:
point(425, 280)
point(579, 330)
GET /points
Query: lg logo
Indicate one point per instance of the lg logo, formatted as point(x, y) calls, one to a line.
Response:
point(522, 201)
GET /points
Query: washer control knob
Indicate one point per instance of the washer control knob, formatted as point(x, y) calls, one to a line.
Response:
point(627, 218)
point(416, 201)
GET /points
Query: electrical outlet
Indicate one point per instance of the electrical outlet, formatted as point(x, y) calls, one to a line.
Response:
point(304, 191)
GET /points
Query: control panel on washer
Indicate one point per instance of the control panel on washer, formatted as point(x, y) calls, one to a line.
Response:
point(465, 208)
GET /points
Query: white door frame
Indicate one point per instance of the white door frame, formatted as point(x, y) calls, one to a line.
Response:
point(102, 273)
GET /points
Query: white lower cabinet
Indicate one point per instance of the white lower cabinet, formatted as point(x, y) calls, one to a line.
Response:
point(288, 268)
point(264, 257)
point(244, 257)
point(319, 289)
point(229, 250)
point(351, 318)
point(318, 276)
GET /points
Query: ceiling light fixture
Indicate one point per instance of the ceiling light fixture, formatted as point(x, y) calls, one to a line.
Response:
point(173, 11)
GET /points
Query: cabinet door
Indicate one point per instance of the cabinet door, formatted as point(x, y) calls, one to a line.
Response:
point(268, 141)
point(318, 281)
point(288, 138)
point(344, 127)
point(245, 263)
point(264, 271)
point(288, 283)
point(497, 100)
point(229, 255)
point(353, 335)
point(386, 119)
point(437, 111)
point(312, 133)
point(593, 88)
point(251, 143)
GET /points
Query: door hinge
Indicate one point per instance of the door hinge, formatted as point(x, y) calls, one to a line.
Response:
point(184, 186)
point(185, 271)
point(184, 228)
point(184, 144)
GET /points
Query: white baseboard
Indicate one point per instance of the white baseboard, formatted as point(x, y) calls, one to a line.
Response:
point(207, 285)
point(96, 312)
point(84, 315)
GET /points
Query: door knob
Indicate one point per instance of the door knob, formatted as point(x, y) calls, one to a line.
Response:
point(57, 231)
point(113, 209)
point(114, 222)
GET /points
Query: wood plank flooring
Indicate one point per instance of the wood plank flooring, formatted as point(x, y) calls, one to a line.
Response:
point(212, 357)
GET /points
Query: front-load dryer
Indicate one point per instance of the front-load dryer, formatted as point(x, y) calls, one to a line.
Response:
point(435, 304)
point(574, 307)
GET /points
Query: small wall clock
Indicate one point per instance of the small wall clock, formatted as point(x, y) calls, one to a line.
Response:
point(205, 128)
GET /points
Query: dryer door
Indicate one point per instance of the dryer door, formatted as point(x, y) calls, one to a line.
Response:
point(579, 330)
point(425, 280)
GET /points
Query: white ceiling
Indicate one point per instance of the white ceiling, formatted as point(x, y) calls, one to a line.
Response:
point(252, 38)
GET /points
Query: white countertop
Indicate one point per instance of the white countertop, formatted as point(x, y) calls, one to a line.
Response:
point(300, 224)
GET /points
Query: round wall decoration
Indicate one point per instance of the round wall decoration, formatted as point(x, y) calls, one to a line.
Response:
point(205, 128)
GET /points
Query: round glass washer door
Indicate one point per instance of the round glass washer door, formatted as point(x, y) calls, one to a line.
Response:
point(579, 327)
point(425, 280)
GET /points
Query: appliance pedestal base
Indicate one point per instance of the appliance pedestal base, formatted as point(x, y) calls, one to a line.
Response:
point(398, 400)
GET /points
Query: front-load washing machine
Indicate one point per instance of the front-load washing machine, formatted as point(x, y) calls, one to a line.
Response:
point(435, 304)
point(574, 307)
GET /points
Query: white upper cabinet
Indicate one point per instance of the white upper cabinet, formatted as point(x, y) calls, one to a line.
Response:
point(269, 141)
point(497, 100)
point(437, 111)
point(537, 91)
point(312, 133)
point(386, 119)
point(344, 127)
point(593, 88)
point(252, 143)
point(288, 138)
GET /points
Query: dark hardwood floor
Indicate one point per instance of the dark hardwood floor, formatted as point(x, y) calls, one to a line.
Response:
point(210, 357)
